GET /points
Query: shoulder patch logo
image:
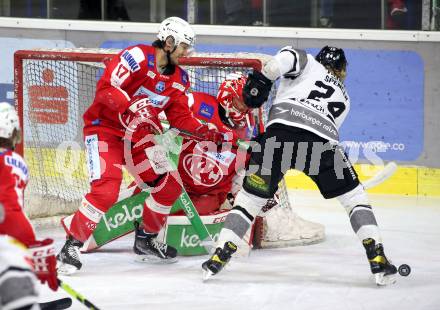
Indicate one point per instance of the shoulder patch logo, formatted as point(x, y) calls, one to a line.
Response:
point(206, 110)
point(150, 59)
point(184, 77)
point(160, 86)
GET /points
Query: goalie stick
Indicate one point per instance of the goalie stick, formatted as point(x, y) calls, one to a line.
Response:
point(77, 295)
point(375, 180)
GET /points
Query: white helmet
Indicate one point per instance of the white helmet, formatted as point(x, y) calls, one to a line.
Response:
point(8, 120)
point(177, 28)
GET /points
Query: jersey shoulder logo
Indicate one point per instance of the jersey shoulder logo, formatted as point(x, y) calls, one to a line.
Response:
point(160, 86)
point(150, 61)
point(183, 76)
point(206, 110)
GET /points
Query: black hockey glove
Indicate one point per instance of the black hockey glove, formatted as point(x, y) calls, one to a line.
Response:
point(256, 90)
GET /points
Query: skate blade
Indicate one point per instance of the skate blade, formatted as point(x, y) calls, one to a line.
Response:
point(66, 269)
point(382, 280)
point(152, 259)
point(207, 274)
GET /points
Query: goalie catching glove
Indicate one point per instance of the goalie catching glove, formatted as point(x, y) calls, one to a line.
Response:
point(257, 89)
point(44, 263)
point(141, 118)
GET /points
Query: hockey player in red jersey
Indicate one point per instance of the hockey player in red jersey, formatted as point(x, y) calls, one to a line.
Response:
point(14, 176)
point(137, 84)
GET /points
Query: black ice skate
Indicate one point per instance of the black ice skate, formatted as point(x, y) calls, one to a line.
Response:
point(149, 249)
point(68, 261)
point(382, 268)
point(218, 260)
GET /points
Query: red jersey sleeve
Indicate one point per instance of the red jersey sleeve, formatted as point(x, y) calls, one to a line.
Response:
point(14, 177)
point(124, 71)
point(180, 116)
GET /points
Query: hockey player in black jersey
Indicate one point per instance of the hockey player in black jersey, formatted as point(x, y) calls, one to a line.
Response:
point(302, 133)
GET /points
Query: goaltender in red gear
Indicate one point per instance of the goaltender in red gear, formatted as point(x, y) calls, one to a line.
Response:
point(137, 84)
point(208, 175)
point(209, 172)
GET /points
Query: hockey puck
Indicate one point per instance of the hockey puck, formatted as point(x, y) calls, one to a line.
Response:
point(404, 270)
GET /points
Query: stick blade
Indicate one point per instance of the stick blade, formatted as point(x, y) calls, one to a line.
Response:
point(58, 304)
point(381, 176)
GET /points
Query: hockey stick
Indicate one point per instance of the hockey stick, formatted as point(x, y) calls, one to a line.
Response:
point(191, 212)
point(239, 143)
point(377, 179)
point(381, 176)
point(57, 304)
point(77, 295)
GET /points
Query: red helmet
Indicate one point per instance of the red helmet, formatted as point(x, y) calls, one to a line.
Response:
point(231, 88)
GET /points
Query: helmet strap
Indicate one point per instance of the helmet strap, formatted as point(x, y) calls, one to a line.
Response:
point(224, 118)
point(169, 68)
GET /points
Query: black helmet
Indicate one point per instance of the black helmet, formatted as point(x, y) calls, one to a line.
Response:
point(332, 57)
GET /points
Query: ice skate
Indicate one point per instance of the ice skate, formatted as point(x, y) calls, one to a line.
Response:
point(218, 260)
point(149, 249)
point(68, 260)
point(384, 271)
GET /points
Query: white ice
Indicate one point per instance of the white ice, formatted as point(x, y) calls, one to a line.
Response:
point(330, 275)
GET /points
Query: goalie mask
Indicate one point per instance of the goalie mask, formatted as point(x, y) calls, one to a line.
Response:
point(9, 123)
point(230, 98)
point(178, 29)
point(333, 59)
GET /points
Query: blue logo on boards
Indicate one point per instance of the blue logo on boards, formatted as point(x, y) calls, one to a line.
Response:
point(160, 86)
point(132, 63)
point(150, 61)
point(206, 110)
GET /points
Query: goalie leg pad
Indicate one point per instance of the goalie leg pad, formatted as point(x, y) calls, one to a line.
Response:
point(361, 214)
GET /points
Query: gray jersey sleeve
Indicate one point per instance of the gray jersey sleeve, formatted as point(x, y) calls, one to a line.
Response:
point(288, 62)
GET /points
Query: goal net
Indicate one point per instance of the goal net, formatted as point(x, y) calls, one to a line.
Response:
point(53, 88)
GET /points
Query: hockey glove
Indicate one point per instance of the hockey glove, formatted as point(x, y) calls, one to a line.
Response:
point(141, 118)
point(210, 134)
point(257, 89)
point(44, 262)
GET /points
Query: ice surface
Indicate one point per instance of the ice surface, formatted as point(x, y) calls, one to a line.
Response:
point(330, 275)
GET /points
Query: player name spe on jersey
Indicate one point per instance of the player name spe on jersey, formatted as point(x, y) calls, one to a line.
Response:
point(329, 78)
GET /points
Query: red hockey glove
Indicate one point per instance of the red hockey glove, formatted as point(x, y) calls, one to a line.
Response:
point(141, 118)
point(210, 134)
point(44, 262)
